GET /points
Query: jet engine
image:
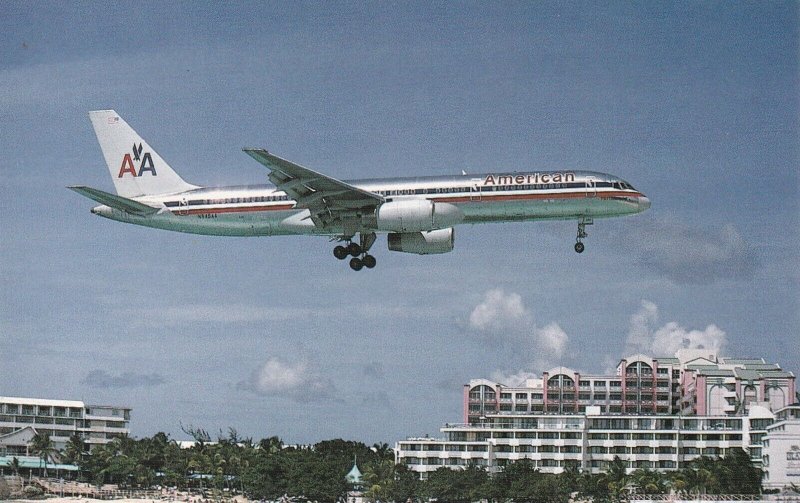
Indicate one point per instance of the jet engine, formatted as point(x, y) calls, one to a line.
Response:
point(410, 215)
point(422, 243)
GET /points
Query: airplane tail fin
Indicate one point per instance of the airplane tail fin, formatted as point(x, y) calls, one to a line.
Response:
point(136, 169)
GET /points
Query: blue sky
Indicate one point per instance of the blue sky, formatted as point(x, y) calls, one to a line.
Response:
point(695, 104)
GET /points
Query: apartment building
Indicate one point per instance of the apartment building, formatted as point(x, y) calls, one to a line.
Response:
point(781, 450)
point(21, 418)
point(656, 413)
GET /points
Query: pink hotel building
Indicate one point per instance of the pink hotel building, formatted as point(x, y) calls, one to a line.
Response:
point(655, 413)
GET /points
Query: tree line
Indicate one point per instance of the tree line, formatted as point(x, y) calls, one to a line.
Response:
point(268, 469)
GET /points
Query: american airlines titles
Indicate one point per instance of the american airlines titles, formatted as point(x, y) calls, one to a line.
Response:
point(529, 179)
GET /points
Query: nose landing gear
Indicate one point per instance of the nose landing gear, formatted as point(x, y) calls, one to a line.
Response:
point(358, 251)
point(582, 223)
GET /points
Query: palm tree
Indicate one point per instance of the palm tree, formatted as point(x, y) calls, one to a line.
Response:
point(42, 446)
point(677, 481)
point(378, 477)
point(383, 451)
point(271, 445)
point(617, 477)
point(15, 466)
point(648, 481)
point(701, 476)
point(74, 450)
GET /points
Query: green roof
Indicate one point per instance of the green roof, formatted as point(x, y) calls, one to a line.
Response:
point(31, 462)
point(717, 373)
point(747, 374)
point(751, 374)
point(775, 373)
point(762, 366)
point(354, 475)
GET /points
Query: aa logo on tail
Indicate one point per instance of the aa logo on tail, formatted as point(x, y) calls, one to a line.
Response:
point(145, 163)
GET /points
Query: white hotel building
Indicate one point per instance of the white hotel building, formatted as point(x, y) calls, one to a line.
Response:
point(21, 418)
point(656, 413)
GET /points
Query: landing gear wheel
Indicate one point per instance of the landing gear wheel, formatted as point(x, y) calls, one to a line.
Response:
point(340, 252)
point(582, 223)
point(369, 261)
point(354, 249)
point(356, 264)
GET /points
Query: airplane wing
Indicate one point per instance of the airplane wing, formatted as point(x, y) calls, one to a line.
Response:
point(328, 199)
point(115, 201)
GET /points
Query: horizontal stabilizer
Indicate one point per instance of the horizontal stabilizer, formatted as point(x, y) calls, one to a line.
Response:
point(115, 201)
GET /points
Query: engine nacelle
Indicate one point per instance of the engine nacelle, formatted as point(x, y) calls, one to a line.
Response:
point(422, 243)
point(411, 215)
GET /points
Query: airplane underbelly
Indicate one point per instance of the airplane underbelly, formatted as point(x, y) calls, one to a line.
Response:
point(222, 224)
point(488, 211)
point(544, 209)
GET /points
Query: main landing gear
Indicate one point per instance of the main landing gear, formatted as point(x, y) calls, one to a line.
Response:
point(582, 223)
point(358, 251)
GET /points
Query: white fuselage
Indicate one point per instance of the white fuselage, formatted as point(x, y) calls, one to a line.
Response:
point(263, 210)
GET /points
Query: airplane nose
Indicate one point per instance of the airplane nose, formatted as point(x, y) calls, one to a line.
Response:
point(644, 203)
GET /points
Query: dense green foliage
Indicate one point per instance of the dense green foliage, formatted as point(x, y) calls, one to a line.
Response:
point(268, 470)
point(42, 446)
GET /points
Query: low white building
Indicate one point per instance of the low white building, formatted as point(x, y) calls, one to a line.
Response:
point(652, 412)
point(781, 450)
point(588, 441)
point(21, 418)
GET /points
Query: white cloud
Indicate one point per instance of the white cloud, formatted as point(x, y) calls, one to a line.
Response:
point(276, 377)
point(670, 337)
point(640, 332)
point(499, 311)
point(552, 339)
point(515, 379)
point(503, 318)
point(692, 255)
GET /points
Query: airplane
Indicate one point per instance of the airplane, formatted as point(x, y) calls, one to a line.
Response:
point(418, 214)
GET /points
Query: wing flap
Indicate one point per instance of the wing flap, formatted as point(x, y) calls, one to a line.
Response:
point(319, 193)
point(115, 201)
